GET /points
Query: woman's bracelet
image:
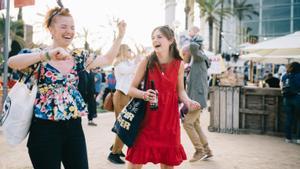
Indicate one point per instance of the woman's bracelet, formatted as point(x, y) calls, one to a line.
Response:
point(47, 56)
point(145, 96)
point(41, 54)
point(44, 56)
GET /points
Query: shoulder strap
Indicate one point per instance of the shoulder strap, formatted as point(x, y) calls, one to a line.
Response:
point(146, 76)
point(31, 73)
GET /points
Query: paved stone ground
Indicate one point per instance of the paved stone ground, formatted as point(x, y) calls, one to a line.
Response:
point(230, 151)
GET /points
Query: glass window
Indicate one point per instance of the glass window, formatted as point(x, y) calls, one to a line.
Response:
point(253, 2)
point(275, 2)
point(297, 10)
point(296, 1)
point(274, 28)
point(278, 12)
point(296, 25)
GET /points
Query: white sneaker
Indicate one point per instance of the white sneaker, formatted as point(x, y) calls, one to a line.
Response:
point(198, 156)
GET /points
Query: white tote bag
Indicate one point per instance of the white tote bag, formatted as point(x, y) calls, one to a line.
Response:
point(18, 112)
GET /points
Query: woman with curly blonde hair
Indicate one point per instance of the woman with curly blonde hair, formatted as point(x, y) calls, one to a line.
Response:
point(56, 134)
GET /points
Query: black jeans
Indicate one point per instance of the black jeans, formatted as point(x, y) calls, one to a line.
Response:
point(51, 143)
point(292, 110)
point(90, 100)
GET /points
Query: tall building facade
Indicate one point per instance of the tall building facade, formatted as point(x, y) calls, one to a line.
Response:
point(275, 18)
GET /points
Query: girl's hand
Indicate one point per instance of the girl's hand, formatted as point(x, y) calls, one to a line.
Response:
point(59, 54)
point(150, 95)
point(122, 28)
point(193, 105)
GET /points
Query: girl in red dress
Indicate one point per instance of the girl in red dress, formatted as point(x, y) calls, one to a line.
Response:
point(158, 140)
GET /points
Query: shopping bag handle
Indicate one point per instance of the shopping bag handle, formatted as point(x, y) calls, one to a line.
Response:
point(31, 73)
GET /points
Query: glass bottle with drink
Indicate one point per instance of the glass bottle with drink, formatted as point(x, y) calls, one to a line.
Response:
point(154, 103)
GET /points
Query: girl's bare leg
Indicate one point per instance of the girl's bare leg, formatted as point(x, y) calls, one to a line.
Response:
point(134, 166)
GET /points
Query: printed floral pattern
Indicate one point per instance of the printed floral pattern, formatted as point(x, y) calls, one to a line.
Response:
point(58, 98)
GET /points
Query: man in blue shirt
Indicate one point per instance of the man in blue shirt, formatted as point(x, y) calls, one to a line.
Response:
point(111, 84)
point(98, 83)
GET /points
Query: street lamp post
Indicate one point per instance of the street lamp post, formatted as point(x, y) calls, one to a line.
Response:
point(6, 49)
point(187, 10)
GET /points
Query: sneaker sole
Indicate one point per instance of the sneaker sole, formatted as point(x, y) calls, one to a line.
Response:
point(114, 162)
point(201, 159)
point(204, 157)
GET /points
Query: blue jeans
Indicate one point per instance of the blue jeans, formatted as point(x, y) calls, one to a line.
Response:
point(51, 143)
point(292, 110)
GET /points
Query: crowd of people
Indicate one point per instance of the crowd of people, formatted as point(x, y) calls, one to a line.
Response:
point(72, 83)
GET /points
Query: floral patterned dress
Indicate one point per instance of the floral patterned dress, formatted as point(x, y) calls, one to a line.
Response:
point(58, 98)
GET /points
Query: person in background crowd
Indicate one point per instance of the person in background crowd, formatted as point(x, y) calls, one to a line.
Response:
point(104, 86)
point(98, 83)
point(103, 76)
point(195, 37)
point(111, 84)
point(86, 87)
point(281, 71)
point(187, 60)
point(291, 102)
point(125, 67)
point(158, 140)
point(56, 134)
point(197, 89)
point(272, 81)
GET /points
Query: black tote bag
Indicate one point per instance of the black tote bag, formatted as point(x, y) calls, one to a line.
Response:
point(130, 118)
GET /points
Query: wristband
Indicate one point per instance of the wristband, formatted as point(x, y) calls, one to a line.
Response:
point(47, 56)
point(145, 96)
point(41, 54)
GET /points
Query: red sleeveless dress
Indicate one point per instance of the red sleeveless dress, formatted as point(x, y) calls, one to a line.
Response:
point(158, 140)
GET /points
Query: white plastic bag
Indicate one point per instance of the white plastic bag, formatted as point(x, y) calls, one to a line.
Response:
point(18, 112)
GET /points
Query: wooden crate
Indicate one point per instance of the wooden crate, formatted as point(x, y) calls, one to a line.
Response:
point(260, 110)
point(224, 109)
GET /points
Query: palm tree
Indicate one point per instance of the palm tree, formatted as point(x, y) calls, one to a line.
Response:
point(221, 28)
point(85, 36)
point(243, 10)
point(16, 33)
point(187, 10)
point(211, 10)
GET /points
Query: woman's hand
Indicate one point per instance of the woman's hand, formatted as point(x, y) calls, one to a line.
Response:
point(58, 54)
point(122, 29)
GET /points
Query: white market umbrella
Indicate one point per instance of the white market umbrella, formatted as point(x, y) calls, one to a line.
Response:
point(281, 50)
point(284, 45)
point(275, 59)
point(251, 56)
